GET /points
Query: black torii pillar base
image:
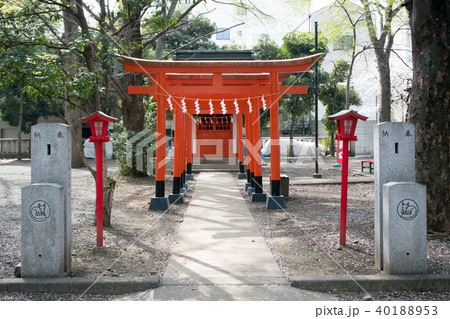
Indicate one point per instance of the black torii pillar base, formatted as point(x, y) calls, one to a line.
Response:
point(259, 197)
point(276, 202)
point(176, 197)
point(189, 176)
point(241, 174)
point(159, 202)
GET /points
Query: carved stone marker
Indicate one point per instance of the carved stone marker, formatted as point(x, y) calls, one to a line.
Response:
point(394, 153)
point(51, 157)
point(404, 228)
point(42, 231)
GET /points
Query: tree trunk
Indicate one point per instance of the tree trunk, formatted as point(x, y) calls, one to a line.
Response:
point(109, 185)
point(384, 72)
point(72, 116)
point(429, 108)
point(19, 135)
point(133, 111)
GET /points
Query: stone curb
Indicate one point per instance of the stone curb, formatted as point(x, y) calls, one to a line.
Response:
point(104, 286)
point(426, 282)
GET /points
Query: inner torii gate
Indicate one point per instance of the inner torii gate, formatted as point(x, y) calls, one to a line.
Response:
point(217, 87)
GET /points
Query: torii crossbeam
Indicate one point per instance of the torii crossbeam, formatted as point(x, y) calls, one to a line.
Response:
point(214, 87)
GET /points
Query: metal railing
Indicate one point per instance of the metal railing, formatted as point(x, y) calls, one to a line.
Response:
point(9, 147)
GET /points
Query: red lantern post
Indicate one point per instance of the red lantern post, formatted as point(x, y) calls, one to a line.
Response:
point(99, 127)
point(346, 126)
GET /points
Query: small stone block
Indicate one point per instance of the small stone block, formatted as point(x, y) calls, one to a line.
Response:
point(404, 228)
point(259, 197)
point(246, 186)
point(176, 199)
point(42, 231)
point(189, 177)
point(186, 186)
point(276, 202)
point(250, 191)
point(183, 191)
point(159, 203)
point(242, 175)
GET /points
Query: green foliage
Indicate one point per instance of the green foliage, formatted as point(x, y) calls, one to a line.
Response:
point(189, 30)
point(297, 44)
point(33, 108)
point(333, 97)
point(18, 75)
point(267, 49)
point(121, 138)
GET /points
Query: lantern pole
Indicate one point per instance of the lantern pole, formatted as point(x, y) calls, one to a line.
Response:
point(99, 180)
point(316, 104)
point(344, 186)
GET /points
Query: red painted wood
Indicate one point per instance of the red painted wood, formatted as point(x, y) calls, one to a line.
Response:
point(160, 167)
point(274, 131)
point(212, 139)
point(256, 142)
point(240, 144)
point(189, 138)
point(99, 182)
point(344, 187)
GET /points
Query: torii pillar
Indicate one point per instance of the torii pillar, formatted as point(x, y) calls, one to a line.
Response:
point(240, 147)
point(189, 176)
point(275, 200)
point(176, 196)
point(159, 201)
point(258, 195)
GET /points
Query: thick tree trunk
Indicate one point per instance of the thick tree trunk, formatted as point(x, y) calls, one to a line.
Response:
point(429, 108)
point(384, 72)
point(72, 116)
point(133, 111)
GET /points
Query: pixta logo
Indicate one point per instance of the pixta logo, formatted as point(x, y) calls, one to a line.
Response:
point(141, 148)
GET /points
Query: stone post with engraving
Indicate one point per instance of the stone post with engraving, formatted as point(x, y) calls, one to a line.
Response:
point(394, 152)
point(46, 204)
point(404, 228)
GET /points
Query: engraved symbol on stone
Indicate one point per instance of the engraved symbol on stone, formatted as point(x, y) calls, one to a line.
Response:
point(407, 209)
point(60, 135)
point(408, 133)
point(37, 135)
point(384, 133)
point(40, 210)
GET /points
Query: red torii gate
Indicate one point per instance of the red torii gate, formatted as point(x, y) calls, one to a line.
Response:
point(203, 87)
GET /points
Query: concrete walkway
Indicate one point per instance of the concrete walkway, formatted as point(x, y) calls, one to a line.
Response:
point(220, 253)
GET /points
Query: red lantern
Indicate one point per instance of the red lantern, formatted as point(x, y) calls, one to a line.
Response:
point(346, 126)
point(99, 127)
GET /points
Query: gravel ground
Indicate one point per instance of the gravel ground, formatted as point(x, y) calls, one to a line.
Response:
point(138, 243)
point(304, 239)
